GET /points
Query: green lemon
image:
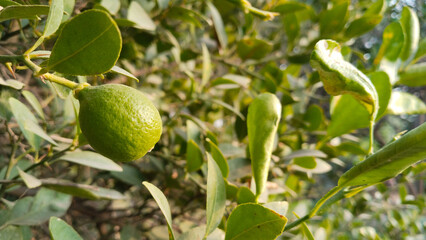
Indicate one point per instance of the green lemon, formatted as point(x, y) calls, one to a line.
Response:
point(118, 121)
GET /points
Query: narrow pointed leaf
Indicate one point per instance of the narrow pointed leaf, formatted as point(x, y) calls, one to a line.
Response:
point(252, 221)
point(163, 204)
point(29, 180)
point(410, 25)
point(194, 156)
point(92, 159)
point(23, 12)
point(54, 18)
point(34, 103)
point(207, 66)
point(141, 19)
point(123, 72)
point(60, 230)
point(389, 161)
point(218, 25)
point(219, 158)
point(216, 195)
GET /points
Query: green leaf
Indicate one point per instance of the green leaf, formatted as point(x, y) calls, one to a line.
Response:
point(405, 103)
point(12, 84)
point(333, 20)
point(218, 25)
point(341, 77)
point(34, 103)
point(82, 190)
point(123, 72)
point(314, 116)
point(15, 233)
point(252, 222)
point(92, 159)
point(263, 117)
point(305, 162)
point(377, 8)
point(392, 43)
point(6, 3)
point(305, 153)
point(231, 81)
point(253, 48)
point(292, 28)
point(362, 25)
point(216, 196)
point(410, 25)
point(346, 105)
point(290, 7)
point(279, 207)
point(60, 230)
point(28, 124)
point(29, 180)
point(207, 66)
point(389, 161)
point(219, 158)
point(141, 19)
point(130, 175)
point(414, 75)
point(194, 156)
point(245, 195)
point(421, 50)
point(111, 5)
point(163, 204)
point(33, 211)
point(229, 107)
point(306, 232)
point(89, 44)
point(23, 12)
point(54, 18)
point(68, 9)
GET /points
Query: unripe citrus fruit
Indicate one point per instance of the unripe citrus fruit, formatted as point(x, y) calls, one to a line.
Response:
point(118, 121)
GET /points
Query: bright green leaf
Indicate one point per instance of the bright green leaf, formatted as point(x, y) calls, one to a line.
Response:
point(333, 20)
point(194, 156)
point(219, 158)
point(216, 196)
point(392, 43)
point(245, 195)
point(405, 103)
point(60, 230)
point(23, 12)
point(89, 44)
point(314, 116)
point(305, 162)
point(389, 161)
point(6, 3)
point(252, 222)
point(163, 204)
point(410, 25)
point(377, 8)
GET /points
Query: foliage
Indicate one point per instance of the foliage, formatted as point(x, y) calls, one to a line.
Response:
point(203, 64)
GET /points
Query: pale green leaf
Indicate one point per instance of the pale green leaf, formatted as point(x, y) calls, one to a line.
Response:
point(60, 230)
point(141, 19)
point(207, 66)
point(23, 12)
point(29, 180)
point(111, 5)
point(216, 195)
point(163, 204)
point(54, 18)
point(34, 103)
point(410, 25)
point(92, 159)
point(405, 103)
point(12, 84)
point(218, 25)
point(123, 72)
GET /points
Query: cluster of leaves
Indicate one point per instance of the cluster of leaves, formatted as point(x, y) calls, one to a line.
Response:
point(202, 63)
